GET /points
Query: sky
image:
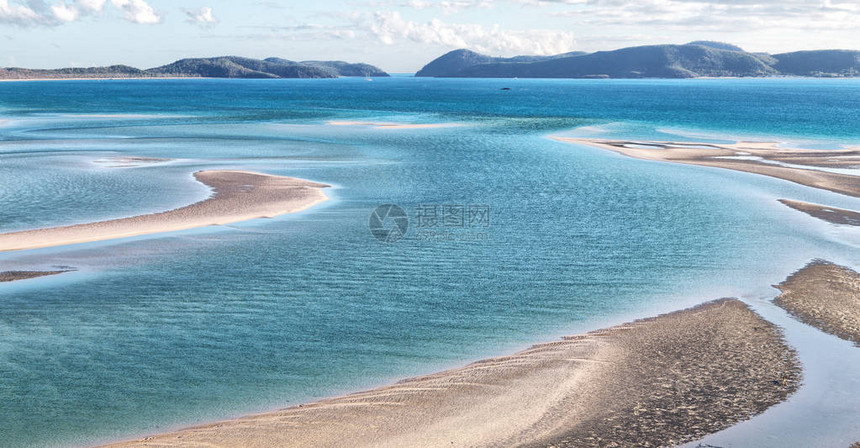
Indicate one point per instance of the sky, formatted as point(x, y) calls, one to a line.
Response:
point(400, 35)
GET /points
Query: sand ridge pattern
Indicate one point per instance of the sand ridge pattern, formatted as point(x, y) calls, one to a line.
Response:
point(237, 196)
point(653, 382)
point(825, 296)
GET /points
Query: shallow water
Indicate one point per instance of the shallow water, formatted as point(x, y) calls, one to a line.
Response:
point(157, 332)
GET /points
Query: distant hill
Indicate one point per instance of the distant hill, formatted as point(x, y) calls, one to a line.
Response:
point(696, 59)
point(819, 63)
point(219, 67)
point(114, 71)
point(458, 60)
point(717, 45)
point(341, 68)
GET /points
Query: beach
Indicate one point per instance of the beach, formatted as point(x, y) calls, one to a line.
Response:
point(237, 196)
point(653, 382)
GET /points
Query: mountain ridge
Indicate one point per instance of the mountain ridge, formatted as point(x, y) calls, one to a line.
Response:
point(692, 60)
point(215, 67)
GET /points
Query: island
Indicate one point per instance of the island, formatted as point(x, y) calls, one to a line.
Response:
point(218, 67)
point(693, 60)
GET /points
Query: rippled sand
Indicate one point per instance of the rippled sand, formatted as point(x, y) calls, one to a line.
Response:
point(652, 382)
point(826, 296)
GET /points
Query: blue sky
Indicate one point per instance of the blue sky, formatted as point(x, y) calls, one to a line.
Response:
point(399, 35)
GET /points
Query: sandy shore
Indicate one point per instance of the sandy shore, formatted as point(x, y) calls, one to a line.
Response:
point(826, 296)
point(386, 125)
point(653, 382)
point(758, 158)
point(830, 214)
point(11, 276)
point(238, 196)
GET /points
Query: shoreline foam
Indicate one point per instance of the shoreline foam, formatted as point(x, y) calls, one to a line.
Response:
point(657, 381)
point(238, 196)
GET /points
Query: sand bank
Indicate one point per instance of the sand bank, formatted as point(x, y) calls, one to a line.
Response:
point(825, 296)
point(129, 161)
point(11, 276)
point(829, 214)
point(237, 196)
point(656, 381)
point(759, 158)
point(386, 125)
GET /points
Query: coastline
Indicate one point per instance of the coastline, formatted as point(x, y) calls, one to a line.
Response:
point(237, 196)
point(806, 167)
point(656, 381)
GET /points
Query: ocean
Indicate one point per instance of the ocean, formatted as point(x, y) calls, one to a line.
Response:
point(534, 238)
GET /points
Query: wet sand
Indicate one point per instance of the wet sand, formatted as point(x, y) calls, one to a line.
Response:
point(825, 296)
point(11, 276)
point(652, 382)
point(129, 161)
point(750, 157)
point(237, 196)
point(830, 214)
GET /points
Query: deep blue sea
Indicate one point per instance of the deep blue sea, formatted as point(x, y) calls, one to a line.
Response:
point(159, 332)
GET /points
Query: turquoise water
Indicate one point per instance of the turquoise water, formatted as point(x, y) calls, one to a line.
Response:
point(154, 333)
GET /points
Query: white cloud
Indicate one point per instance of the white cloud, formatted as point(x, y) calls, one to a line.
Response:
point(449, 7)
point(19, 14)
point(65, 13)
point(202, 16)
point(390, 27)
point(91, 5)
point(138, 11)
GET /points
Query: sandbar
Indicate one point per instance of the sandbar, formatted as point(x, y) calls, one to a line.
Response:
point(12, 276)
point(825, 296)
point(653, 382)
point(752, 157)
point(387, 125)
point(130, 161)
point(237, 196)
point(830, 214)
